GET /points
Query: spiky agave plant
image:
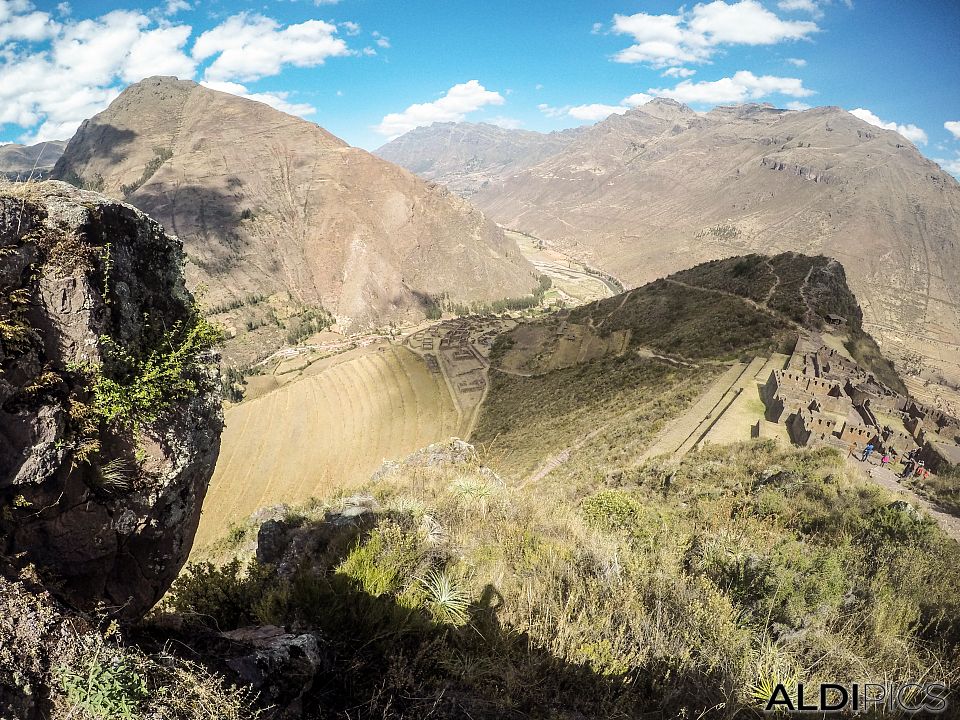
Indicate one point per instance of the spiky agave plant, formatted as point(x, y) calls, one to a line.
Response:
point(113, 476)
point(446, 600)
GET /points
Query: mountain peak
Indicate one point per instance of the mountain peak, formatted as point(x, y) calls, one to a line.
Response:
point(268, 204)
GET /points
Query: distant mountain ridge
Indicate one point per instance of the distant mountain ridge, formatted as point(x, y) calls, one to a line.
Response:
point(22, 161)
point(661, 187)
point(468, 156)
point(270, 205)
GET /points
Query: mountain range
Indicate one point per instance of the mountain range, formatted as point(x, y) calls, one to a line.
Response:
point(661, 187)
point(270, 205)
point(18, 161)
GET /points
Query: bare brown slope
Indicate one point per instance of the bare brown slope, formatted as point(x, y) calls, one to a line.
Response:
point(21, 160)
point(661, 188)
point(267, 203)
point(468, 156)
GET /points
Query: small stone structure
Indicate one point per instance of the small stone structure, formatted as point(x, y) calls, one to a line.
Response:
point(824, 398)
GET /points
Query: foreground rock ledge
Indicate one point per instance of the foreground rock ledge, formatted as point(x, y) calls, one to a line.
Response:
point(105, 509)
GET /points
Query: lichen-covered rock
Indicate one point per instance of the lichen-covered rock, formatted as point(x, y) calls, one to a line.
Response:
point(438, 456)
point(36, 636)
point(110, 415)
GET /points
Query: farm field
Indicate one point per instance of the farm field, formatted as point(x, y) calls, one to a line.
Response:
point(331, 428)
point(573, 284)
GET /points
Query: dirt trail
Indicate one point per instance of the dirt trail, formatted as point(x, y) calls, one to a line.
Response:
point(887, 479)
point(762, 308)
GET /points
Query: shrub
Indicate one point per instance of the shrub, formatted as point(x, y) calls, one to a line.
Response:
point(105, 688)
point(130, 391)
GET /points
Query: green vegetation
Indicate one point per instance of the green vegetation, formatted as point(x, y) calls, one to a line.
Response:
point(943, 488)
point(96, 183)
point(865, 351)
point(692, 323)
point(113, 691)
point(160, 156)
point(130, 391)
point(15, 331)
point(750, 276)
point(435, 306)
point(309, 322)
point(108, 680)
point(801, 288)
point(755, 564)
point(234, 304)
point(525, 420)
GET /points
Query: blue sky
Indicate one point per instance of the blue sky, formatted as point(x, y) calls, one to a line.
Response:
point(368, 70)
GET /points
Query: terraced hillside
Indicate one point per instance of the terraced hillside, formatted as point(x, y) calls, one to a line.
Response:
point(595, 386)
point(330, 429)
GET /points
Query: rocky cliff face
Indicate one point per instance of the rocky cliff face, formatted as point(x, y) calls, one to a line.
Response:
point(110, 416)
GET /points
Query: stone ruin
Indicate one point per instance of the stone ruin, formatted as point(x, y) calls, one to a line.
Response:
point(824, 398)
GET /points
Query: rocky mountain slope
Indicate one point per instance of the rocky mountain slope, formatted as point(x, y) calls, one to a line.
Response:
point(18, 161)
point(269, 205)
point(466, 157)
point(110, 411)
point(661, 188)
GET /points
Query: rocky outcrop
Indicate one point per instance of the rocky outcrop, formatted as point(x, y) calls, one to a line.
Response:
point(110, 415)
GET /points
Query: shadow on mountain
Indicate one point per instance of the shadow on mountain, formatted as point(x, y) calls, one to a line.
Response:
point(316, 633)
point(109, 141)
point(206, 218)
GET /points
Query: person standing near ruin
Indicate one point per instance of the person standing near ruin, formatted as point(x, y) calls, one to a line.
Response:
point(885, 460)
point(867, 451)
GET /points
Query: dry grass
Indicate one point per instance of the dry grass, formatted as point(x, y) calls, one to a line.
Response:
point(326, 430)
point(639, 597)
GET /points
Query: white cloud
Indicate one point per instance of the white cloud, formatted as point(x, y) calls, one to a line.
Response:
point(810, 6)
point(368, 51)
point(507, 123)
point(597, 28)
point(797, 105)
point(694, 36)
point(55, 88)
point(678, 72)
point(64, 9)
point(56, 73)
point(278, 100)
point(350, 28)
point(553, 112)
point(19, 21)
point(951, 165)
point(636, 99)
point(742, 87)
point(382, 40)
point(249, 46)
point(910, 132)
point(953, 127)
point(454, 106)
point(797, 62)
point(595, 111)
point(175, 6)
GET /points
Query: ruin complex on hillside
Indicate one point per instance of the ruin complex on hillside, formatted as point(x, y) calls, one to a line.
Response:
point(824, 398)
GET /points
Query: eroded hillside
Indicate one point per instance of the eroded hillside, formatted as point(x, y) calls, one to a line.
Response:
point(271, 206)
point(661, 188)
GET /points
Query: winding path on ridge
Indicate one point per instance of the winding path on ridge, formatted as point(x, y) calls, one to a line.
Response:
point(888, 480)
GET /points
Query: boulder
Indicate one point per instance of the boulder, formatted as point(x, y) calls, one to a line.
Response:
point(110, 415)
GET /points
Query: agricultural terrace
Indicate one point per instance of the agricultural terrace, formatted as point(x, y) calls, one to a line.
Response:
point(331, 428)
